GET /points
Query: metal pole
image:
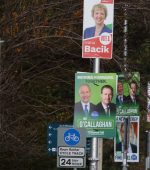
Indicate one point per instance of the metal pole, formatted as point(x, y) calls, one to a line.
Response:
point(147, 160)
point(94, 154)
point(126, 142)
point(147, 166)
point(96, 143)
point(1, 41)
point(96, 68)
point(125, 52)
point(148, 102)
point(100, 153)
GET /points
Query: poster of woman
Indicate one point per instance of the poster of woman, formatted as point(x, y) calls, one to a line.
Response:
point(98, 29)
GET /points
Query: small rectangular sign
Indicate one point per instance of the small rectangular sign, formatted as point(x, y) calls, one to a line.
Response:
point(73, 162)
point(71, 151)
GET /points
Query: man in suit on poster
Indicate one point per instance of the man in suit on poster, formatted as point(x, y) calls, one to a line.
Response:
point(133, 98)
point(131, 148)
point(121, 98)
point(84, 107)
point(105, 107)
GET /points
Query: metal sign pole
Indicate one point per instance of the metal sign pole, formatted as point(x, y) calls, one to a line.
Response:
point(94, 154)
point(147, 167)
point(126, 142)
point(147, 161)
point(1, 41)
point(96, 143)
point(126, 123)
point(125, 52)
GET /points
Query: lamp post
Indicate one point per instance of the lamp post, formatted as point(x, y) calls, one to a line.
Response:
point(96, 143)
point(1, 41)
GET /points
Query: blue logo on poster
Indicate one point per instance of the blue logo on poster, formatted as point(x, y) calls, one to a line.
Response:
point(133, 157)
point(72, 137)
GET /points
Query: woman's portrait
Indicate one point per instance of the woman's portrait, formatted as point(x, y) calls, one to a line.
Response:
point(99, 14)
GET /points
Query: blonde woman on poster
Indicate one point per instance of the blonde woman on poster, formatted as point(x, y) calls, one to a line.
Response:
point(99, 14)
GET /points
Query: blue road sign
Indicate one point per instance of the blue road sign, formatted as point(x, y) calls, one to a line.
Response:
point(52, 136)
point(71, 147)
point(72, 137)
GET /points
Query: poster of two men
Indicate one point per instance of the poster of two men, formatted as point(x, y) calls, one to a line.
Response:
point(95, 103)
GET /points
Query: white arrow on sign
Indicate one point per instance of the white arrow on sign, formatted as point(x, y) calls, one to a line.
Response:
point(49, 141)
point(49, 134)
point(50, 127)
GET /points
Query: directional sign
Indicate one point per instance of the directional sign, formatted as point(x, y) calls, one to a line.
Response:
point(52, 137)
point(71, 144)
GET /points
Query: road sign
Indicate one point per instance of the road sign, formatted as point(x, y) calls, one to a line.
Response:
point(71, 151)
point(52, 136)
point(72, 137)
point(71, 144)
point(73, 162)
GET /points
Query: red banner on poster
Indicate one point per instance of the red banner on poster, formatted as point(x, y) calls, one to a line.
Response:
point(98, 47)
point(107, 1)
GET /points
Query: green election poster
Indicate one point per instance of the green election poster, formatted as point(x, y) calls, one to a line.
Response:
point(128, 90)
point(95, 103)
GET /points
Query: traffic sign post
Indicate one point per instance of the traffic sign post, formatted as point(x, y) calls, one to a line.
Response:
point(147, 166)
point(96, 143)
point(71, 148)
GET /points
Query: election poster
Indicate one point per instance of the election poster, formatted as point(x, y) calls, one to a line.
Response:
point(133, 139)
point(128, 91)
point(97, 41)
point(95, 103)
point(148, 102)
